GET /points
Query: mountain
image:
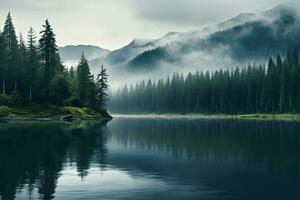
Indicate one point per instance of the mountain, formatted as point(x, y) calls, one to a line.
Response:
point(246, 38)
point(70, 54)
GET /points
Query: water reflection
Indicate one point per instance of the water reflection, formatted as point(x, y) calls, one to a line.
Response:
point(150, 159)
point(274, 144)
point(34, 154)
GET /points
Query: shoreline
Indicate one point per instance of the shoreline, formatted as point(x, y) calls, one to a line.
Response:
point(51, 114)
point(76, 113)
point(275, 117)
point(58, 118)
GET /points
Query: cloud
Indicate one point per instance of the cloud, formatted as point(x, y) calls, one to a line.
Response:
point(197, 12)
point(114, 23)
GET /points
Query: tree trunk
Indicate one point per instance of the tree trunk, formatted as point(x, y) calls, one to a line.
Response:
point(3, 85)
point(16, 85)
point(30, 94)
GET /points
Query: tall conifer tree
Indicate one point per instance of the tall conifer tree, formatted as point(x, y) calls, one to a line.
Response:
point(83, 80)
point(101, 88)
point(3, 63)
point(11, 47)
point(49, 56)
point(32, 69)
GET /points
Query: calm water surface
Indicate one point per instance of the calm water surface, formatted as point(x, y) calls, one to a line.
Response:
point(150, 159)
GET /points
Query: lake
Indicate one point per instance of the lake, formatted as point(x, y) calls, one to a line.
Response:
point(149, 158)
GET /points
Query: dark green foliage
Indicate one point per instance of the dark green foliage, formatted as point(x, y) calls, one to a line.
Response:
point(254, 89)
point(84, 80)
point(59, 90)
point(72, 81)
point(10, 38)
point(32, 69)
point(11, 51)
point(3, 67)
point(32, 73)
point(7, 100)
point(149, 59)
point(257, 39)
point(49, 57)
point(101, 88)
point(73, 102)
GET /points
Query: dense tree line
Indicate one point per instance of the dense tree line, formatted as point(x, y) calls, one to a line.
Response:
point(271, 89)
point(32, 73)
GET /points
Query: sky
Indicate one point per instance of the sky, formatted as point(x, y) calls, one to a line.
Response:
point(112, 24)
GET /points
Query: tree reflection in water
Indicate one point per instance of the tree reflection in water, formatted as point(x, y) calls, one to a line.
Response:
point(34, 154)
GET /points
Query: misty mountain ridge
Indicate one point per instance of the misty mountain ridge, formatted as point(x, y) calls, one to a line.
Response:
point(70, 54)
point(246, 38)
point(242, 39)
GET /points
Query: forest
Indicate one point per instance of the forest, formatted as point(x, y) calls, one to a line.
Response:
point(274, 88)
point(32, 73)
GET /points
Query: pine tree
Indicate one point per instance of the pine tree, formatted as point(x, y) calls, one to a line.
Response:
point(284, 88)
point(267, 92)
point(10, 38)
point(101, 88)
point(293, 79)
point(277, 82)
point(59, 90)
point(34, 72)
point(11, 48)
point(72, 81)
point(32, 69)
point(83, 80)
point(20, 83)
point(49, 56)
point(3, 62)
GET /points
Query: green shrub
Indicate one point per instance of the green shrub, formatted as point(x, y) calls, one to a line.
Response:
point(5, 110)
point(7, 100)
point(73, 102)
point(18, 99)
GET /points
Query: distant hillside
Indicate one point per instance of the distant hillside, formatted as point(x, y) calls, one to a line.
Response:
point(70, 54)
point(242, 39)
point(246, 38)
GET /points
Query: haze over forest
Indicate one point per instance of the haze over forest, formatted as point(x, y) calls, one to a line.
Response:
point(158, 40)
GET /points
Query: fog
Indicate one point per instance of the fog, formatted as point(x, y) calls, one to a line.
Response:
point(203, 56)
point(114, 23)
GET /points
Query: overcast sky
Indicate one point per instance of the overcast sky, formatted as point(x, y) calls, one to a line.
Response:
point(113, 23)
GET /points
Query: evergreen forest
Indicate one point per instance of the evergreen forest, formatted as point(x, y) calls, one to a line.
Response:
point(274, 88)
point(32, 73)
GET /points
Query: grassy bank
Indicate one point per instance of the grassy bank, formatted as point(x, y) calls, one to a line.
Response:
point(286, 116)
point(49, 112)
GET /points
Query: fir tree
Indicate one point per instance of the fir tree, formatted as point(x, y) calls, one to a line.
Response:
point(83, 80)
point(22, 63)
point(284, 88)
point(32, 69)
point(3, 62)
point(33, 73)
point(10, 38)
point(293, 97)
point(11, 48)
point(101, 88)
point(59, 90)
point(49, 56)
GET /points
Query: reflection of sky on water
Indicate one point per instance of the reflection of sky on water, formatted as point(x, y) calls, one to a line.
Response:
point(156, 159)
point(117, 184)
